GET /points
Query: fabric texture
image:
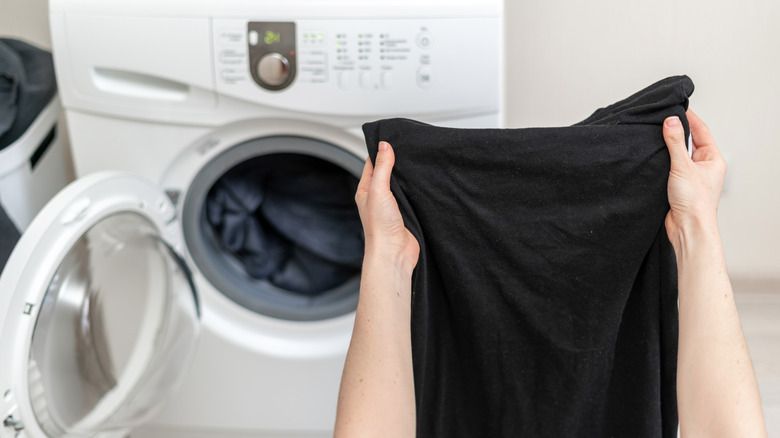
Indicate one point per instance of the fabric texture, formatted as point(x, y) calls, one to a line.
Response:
point(27, 85)
point(545, 297)
point(289, 219)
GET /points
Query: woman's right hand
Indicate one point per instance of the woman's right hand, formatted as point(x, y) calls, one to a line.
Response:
point(386, 235)
point(717, 393)
point(695, 183)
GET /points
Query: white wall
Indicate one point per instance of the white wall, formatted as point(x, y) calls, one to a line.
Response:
point(567, 57)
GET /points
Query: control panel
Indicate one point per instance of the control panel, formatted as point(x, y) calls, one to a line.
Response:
point(209, 64)
point(271, 48)
point(358, 67)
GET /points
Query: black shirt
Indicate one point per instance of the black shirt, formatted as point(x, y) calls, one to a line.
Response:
point(545, 298)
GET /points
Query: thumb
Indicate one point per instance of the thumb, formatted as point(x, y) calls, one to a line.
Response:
point(674, 136)
point(385, 159)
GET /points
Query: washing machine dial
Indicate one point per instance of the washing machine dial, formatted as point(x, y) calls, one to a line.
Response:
point(273, 69)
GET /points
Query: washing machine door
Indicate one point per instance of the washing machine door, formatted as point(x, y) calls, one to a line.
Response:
point(98, 313)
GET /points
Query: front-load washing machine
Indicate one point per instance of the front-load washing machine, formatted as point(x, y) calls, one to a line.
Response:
point(235, 126)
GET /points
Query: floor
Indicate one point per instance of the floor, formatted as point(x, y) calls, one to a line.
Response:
point(759, 310)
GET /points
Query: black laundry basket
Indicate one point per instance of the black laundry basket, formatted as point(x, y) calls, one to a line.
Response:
point(27, 88)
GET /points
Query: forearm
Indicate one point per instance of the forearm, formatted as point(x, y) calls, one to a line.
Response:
point(377, 387)
point(716, 385)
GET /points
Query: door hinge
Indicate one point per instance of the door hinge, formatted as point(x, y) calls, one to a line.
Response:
point(13, 423)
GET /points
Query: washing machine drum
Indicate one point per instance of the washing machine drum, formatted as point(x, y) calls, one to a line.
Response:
point(272, 223)
point(99, 317)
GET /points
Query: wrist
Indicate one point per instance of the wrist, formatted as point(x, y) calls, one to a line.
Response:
point(389, 258)
point(386, 275)
point(697, 234)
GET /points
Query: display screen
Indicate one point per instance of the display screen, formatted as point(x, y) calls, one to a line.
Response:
point(272, 37)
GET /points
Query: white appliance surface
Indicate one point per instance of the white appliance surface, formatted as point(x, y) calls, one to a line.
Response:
point(178, 92)
point(33, 168)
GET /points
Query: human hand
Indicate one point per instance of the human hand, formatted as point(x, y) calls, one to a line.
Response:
point(695, 184)
point(386, 235)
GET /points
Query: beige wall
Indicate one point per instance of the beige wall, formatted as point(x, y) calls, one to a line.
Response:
point(26, 19)
point(567, 57)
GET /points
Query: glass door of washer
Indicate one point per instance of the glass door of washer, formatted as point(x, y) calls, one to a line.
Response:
point(101, 317)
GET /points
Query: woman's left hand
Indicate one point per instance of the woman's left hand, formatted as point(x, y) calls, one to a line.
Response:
point(386, 235)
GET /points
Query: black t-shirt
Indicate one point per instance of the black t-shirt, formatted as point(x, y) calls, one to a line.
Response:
point(544, 303)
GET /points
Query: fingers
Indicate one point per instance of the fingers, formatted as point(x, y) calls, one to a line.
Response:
point(365, 182)
point(702, 139)
point(375, 178)
point(385, 159)
point(700, 132)
point(365, 178)
point(674, 135)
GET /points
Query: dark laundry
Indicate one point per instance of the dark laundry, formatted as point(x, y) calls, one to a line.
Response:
point(27, 85)
point(545, 298)
point(289, 219)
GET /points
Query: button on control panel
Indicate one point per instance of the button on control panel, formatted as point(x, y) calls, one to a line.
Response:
point(424, 79)
point(272, 57)
point(424, 40)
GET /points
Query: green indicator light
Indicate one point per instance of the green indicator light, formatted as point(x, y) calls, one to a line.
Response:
point(272, 37)
point(306, 35)
point(360, 35)
point(338, 43)
point(320, 36)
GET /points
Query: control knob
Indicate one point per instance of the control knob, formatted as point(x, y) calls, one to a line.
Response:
point(273, 69)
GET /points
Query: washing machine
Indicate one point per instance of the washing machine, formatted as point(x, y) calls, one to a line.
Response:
point(148, 321)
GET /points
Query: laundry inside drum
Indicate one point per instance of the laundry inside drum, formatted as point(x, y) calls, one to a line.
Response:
point(289, 220)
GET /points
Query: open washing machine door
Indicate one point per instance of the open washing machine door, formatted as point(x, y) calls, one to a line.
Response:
point(98, 312)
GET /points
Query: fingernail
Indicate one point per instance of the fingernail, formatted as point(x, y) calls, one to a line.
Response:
point(383, 145)
point(672, 121)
